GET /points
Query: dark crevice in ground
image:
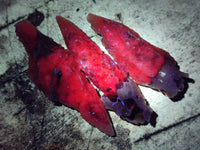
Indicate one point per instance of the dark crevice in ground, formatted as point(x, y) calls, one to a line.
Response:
point(147, 136)
point(21, 17)
point(13, 21)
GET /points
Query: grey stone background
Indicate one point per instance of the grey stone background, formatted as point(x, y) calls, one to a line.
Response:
point(30, 121)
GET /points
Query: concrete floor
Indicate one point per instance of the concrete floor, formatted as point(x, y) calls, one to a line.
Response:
point(29, 121)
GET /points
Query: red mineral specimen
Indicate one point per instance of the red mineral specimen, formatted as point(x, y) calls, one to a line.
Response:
point(146, 64)
point(55, 71)
point(121, 94)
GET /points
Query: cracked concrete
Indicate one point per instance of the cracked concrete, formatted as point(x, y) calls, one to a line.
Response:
point(28, 120)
